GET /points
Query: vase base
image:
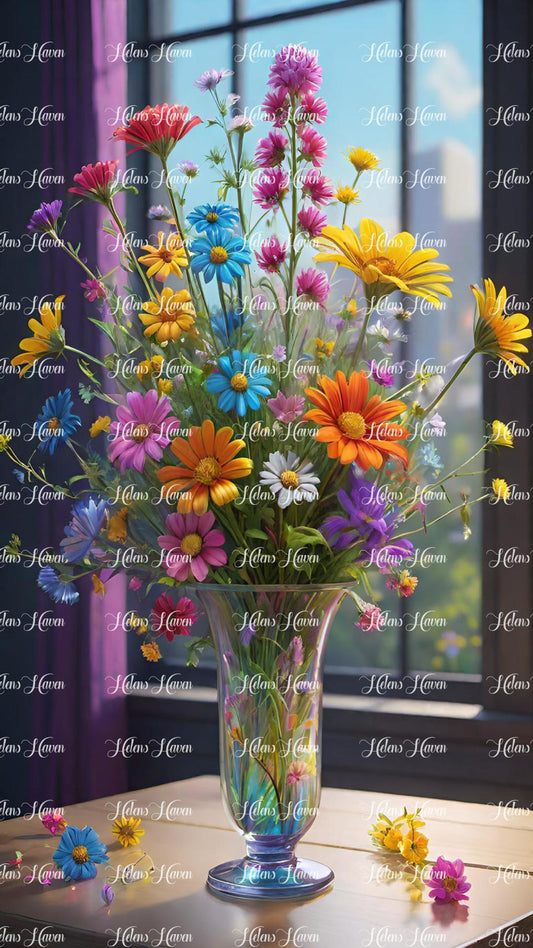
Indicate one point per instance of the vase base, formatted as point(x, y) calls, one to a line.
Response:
point(246, 879)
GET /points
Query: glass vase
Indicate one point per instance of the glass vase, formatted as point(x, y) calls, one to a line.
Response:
point(270, 643)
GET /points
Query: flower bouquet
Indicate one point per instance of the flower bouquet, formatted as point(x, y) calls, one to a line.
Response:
point(253, 451)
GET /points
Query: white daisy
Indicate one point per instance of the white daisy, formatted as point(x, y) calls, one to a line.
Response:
point(289, 479)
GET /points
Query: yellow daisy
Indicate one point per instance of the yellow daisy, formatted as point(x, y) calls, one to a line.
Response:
point(346, 195)
point(48, 336)
point(169, 317)
point(128, 830)
point(414, 848)
point(495, 333)
point(101, 424)
point(501, 434)
point(151, 652)
point(500, 489)
point(361, 159)
point(168, 257)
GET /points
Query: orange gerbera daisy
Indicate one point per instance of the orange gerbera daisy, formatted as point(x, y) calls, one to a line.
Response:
point(354, 427)
point(495, 333)
point(209, 467)
point(168, 257)
point(48, 336)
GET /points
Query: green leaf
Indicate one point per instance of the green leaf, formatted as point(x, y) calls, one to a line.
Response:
point(257, 534)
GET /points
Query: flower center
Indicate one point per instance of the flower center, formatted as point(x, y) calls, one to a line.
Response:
point(218, 255)
point(207, 470)
point(53, 424)
point(80, 854)
point(450, 884)
point(140, 433)
point(239, 382)
point(352, 424)
point(212, 217)
point(191, 544)
point(385, 264)
point(289, 479)
point(166, 255)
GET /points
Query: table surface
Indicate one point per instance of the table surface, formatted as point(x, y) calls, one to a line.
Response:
point(187, 832)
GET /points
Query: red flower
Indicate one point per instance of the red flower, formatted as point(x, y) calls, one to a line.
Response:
point(157, 129)
point(169, 619)
point(97, 182)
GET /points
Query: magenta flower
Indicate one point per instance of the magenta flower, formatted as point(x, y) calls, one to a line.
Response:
point(271, 187)
point(96, 182)
point(297, 772)
point(135, 583)
point(312, 286)
point(313, 146)
point(271, 255)
point(287, 408)
point(276, 108)
point(211, 78)
point(192, 546)
point(371, 619)
point(295, 70)
point(312, 109)
point(317, 187)
point(270, 151)
point(93, 290)
point(448, 882)
point(311, 221)
point(107, 894)
point(143, 428)
point(169, 619)
point(381, 373)
point(54, 822)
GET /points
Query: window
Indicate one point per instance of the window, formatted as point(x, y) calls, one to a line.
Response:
point(381, 58)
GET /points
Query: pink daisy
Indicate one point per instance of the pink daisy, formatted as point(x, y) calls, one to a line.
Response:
point(270, 151)
point(311, 221)
point(169, 619)
point(271, 255)
point(312, 109)
point(271, 187)
point(297, 772)
point(316, 186)
point(447, 882)
point(96, 181)
point(313, 146)
point(143, 428)
point(287, 408)
point(276, 108)
point(192, 546)
point(295, 70)
point(313, 286)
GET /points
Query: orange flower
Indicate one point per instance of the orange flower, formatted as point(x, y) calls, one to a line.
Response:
point(354, 427)
point(209, 467)
point(168, 257)
point(151, 651)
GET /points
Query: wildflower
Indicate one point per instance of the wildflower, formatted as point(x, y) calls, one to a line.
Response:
point(287, 408)
point(192, 546)
point(169, 317)
point(144, 428)
point(151, 652)
point(102, 423)
point(404, 583)
point(56, 422)
point(220, 254)
point(239, 382)
point(437, 425)
point(501, 434)
point(317, 187)
point(361, 159)
point(206, 216)
point(158, 212)
point(312, 286)
point(271, 186)
point(313, 146)
point(279, 353)
point(276, 108)
point(225, 325)
point(210, 79)
point(87, 519)
point(270, 151)
point(98, 586)
point(189, 169)
point(447, 882)
point(297, 772)
point(79, 852)
point(289, 479)
point(271, 255)
point(54, 822)
point(45, 218)
point(371, 619)
point(500, 489)
point(157, 129)
point(48, 336)
point(346, 195)
point(495, 333)
point(117, 528)
point(135, 583)
point(93, 290)
point(240, 124)
point(128, 830)
point(107, 894)
point(173, 619)
point(381, 374)
point(165, 386)
point(295, 71)
point(97, 182)
point(323, 348)
point(60, 590)
point(312, 109)
point(414, 848)
point(311, 221)
point(451, 643)
point(168, 257)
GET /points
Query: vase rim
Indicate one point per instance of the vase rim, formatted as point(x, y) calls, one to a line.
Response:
point(269, 587)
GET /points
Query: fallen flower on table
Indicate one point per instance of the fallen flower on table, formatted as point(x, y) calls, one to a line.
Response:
point(107, 894)
point(17, 861)
point(448, 882)
point(54, 822)
point(78, 853)
point(128, 830)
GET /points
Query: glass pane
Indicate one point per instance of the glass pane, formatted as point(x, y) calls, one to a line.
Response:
point(265, 7)
point(171, 17)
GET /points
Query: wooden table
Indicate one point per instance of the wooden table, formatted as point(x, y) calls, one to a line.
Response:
point(364, 908)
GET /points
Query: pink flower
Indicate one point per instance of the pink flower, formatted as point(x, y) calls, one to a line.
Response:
point(93, 290)
point(448, 882)
point(276, 108)
point(169, 619)
point(271, 187)
point(135, 583)
point(96, 182)
point(192, 546)
point(271, 255)
point(295, 70)
point(143, 428)
point(270, 151)
point(313, 146)
point(311, 221)
point(297, 772)
point(279, 353)
point(312, 109)
point(157, 129)
point(313, 286)
point(287, 408)
point(371, 619)
point(317, 187)
point(54, 822)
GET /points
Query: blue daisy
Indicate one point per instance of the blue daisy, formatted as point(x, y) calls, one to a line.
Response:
point(56, 422)
point(219, 254)
point(225, 326)
point(87, 519)
point(206, 216)
point(239, 382)
point(59, 590)
point(78, 853)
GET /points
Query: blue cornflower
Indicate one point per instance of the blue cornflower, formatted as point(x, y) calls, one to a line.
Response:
point(87, 519)
point(58, 589)
point(78, 852)
point(430, 457)
point(239, 382)
point(225, 326)
point(207, 216)
point(56, 422)
point(219, 254)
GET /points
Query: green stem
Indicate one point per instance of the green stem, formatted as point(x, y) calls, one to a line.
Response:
point(86, 356)
point(455, 376)
point(129, 249)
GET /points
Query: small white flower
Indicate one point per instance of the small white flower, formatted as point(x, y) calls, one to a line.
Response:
point(289, 479)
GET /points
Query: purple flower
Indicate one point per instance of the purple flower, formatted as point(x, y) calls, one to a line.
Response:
point(366, 523)
point(211, 78)
point(381, 373)
point(295, 70)
point(279, 353)
point(448, 882)
point(287, 408)
point(437, 424)
point(107, 894)
point(45, 217)
point(189, 169)
point(294, 655)
point(143, 429)
point(247, 633)
point(158, 212)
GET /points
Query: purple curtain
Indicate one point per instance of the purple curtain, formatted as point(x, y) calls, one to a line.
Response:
point(87, 88)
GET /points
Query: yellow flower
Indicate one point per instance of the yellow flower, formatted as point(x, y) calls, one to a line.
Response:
point(98, 586)
point(351, 308)
point(4, 441)
point(168, 257)
point(495, 333)
point(501, 434)
point(346, 195)
point(385, 265)
point(172, 315)
point(156, 364)
point(151, 652)
point(500, 489)
point(361, 159)
point(393, 839)
point(48, 336)
point(437, 662)
point(117, 529)
point(164, 386)
point(475, 640)
point(144, 370)
point(101, 424)
point(414, 848)
point(128, 830)
point(323, 349)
